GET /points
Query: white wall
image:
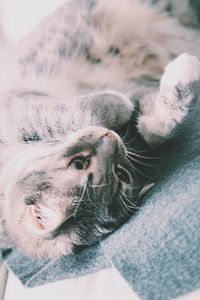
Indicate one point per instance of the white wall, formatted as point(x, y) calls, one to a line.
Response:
point(20, 16)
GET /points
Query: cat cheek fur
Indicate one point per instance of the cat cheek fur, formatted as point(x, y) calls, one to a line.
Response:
point(21, 234)
point(41, 197)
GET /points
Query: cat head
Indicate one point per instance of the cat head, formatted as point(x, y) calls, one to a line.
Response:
point(69, 194)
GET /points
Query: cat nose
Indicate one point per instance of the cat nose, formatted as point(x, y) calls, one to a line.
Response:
point(109, 135)
point(107, 143)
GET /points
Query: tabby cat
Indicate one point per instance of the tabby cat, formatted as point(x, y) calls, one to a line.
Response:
point(73, 93)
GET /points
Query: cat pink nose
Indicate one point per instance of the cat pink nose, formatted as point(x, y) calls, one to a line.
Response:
point(109, 135)
point(107, 143)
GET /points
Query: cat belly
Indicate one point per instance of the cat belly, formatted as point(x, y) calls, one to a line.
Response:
point(85, 47)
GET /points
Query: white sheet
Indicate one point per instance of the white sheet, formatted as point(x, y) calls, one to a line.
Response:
point(104, 285)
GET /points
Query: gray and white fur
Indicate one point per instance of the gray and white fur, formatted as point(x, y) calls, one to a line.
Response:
point(66, 176)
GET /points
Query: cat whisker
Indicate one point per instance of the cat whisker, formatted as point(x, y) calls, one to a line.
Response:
point(123, 205)
point(129, 141)
point(132, 153)
point(127, 207)
point(99, 185)
point(113, 171)
point(126, 134)
point(80, 200)
point(93, 204)
point(139, 162)
point(138, 149)
point(131, 204)
point(139, 171)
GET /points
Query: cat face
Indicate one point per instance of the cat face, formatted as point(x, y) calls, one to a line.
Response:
point(70, 194)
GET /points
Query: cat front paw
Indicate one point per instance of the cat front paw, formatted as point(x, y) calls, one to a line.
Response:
point(162, 112)
point(183, 70)
point(179, 85)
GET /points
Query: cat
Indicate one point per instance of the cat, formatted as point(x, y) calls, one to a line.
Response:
point(67, 178)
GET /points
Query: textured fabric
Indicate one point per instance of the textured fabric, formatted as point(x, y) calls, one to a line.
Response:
point(35, 272)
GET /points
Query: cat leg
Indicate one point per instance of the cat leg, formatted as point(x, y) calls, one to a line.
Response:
point(110, 109)
point(162, 112)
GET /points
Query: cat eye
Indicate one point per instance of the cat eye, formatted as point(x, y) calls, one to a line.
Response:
point(122, 175)
point(80, 163)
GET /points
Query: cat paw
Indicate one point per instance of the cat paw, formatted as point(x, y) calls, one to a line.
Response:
point(164, 111)
point(179, 85)
point(183, 70)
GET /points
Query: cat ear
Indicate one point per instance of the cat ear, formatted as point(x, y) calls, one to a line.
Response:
point(43, 220)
